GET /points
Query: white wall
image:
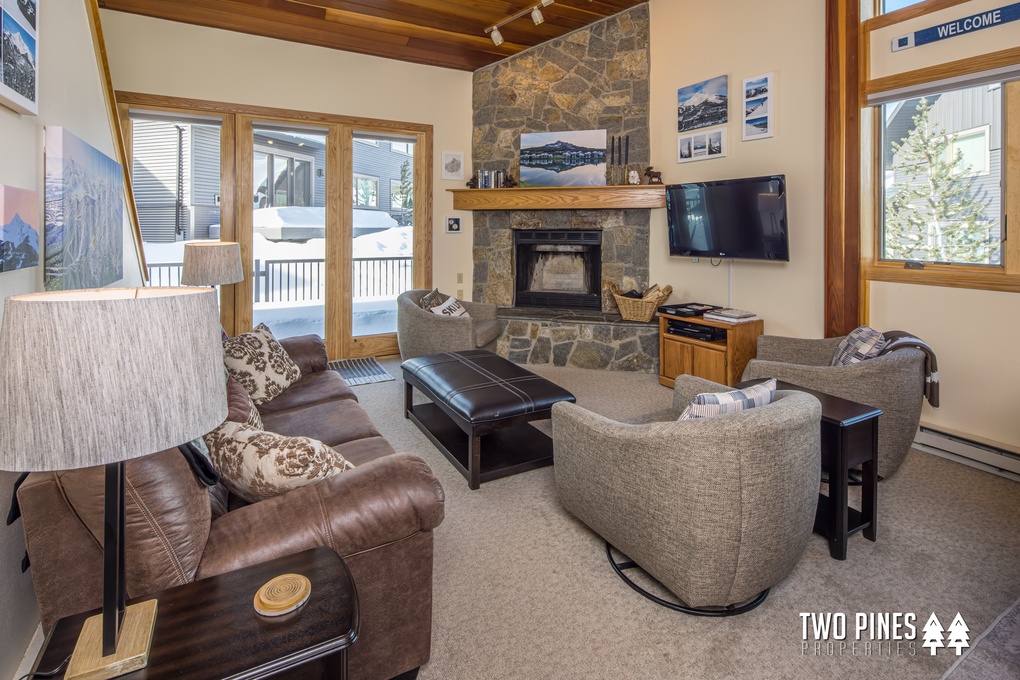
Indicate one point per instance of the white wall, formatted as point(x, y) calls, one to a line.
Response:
point(694, 41)
point(70, 95)
point(178, 60)
point(973, 332)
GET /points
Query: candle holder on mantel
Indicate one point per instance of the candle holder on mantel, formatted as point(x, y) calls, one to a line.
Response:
point(618, 160)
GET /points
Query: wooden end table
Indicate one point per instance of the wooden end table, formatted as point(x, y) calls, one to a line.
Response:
point(209, 628)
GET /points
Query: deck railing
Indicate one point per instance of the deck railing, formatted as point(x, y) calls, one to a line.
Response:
point(305, 280)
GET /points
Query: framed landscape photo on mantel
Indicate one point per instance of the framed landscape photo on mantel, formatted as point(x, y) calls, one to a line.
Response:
point(19, 75)
point(571, 158)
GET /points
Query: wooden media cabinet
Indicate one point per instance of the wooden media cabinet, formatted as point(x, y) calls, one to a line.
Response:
point(720, 361)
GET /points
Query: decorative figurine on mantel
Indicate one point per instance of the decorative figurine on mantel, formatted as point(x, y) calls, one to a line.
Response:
point(654, 176)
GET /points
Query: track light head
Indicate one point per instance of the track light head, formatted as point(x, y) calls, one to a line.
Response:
point(536, 16)
point(497, 37)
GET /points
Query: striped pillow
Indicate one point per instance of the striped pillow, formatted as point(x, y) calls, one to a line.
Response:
point(862, 343)
point(431, 299)
point(709, 404)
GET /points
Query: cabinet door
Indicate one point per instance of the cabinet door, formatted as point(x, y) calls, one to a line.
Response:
point(709, 364)
point(677, 358)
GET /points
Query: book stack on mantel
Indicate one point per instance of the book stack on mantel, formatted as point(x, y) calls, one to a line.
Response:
point(728, 315)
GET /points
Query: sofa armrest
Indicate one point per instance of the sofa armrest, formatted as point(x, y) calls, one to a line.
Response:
point(386, 500)
point(307, 351)
point(480, 311)
point(809, 352)
point(687, 386)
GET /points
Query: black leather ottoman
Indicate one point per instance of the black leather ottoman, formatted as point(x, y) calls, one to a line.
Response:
point(488, 399)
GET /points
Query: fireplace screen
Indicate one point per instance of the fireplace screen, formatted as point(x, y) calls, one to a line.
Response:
point(558, 269)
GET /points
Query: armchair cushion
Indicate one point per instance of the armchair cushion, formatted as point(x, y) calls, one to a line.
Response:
point(257, 465)
point(487, 331)
point(709, 404)
point(862, 343)
point(430, 300)
point(451, 307)
point(260, 363)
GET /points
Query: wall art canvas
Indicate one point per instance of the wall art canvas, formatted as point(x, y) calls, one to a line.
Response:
point(453, 165)
point(563, 159)
point(84, 214)
point(759, 107)
point(701, 146)
point(703, 104)
point(19, 228)
point(19, 70)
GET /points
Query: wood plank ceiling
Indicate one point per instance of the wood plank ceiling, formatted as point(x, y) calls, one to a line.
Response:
point(447, 33)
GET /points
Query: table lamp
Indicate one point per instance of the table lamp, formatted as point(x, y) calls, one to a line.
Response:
point(212, 263)
point(98, 377)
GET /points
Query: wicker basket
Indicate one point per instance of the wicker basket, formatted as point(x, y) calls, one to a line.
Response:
point(635, 309)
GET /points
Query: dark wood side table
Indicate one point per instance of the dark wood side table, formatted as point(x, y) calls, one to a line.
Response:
point(209, 628)
point(849, 438)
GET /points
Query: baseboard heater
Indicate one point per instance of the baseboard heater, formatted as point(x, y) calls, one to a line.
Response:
point(969, 452)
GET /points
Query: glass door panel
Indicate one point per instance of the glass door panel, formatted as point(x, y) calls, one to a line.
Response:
point(289, 231)
point(382, 231)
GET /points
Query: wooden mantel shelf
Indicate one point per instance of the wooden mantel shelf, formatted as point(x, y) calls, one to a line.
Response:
point(561, 198)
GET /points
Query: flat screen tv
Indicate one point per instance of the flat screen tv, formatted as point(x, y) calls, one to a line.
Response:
point(732, 218)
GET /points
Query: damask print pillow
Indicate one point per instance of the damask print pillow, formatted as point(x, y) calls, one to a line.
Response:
point(255, 464)
point(259, 363)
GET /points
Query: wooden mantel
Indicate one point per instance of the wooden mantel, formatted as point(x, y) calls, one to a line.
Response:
point(561, 198)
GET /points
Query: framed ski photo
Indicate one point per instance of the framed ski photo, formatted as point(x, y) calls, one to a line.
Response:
point(759, 107)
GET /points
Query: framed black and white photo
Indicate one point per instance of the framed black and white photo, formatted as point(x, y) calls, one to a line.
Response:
point(701, 146)
point(453, 165)
point(702, 105)
point(759, 107)
point(19, 76)
point(452, 225)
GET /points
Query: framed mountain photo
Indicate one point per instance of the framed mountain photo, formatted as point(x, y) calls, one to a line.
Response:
point(19, 228)
point(759, 107)
point(563, 159)
point(19, 71)
point(703, 104)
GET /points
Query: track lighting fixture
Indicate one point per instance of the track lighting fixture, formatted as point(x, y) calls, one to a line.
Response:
point(536, 16)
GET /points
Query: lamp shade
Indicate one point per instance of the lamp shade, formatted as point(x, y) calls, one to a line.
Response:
point(212, 263)
point(91, 377)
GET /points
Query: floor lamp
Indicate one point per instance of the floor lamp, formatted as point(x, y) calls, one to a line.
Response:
point(212, 263)
point(98, 377)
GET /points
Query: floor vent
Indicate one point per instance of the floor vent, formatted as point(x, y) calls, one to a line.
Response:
point(976, 454)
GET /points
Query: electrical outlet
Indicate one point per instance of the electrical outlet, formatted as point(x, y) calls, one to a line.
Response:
point(694, 260)
point(460, 277)
point(460, 293)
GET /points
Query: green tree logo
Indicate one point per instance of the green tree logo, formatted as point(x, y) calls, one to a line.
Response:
point(931, 213)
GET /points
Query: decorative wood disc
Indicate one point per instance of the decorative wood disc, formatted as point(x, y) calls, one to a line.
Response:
point(283, 594)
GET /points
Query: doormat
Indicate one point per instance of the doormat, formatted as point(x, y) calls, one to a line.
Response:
point(360, 371)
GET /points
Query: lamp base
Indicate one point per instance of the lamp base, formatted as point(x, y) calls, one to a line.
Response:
point(88, 662)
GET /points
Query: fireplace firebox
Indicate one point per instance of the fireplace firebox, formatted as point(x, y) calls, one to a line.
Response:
point(558, 268)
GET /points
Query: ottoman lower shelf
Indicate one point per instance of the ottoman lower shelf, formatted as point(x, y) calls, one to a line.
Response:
point(504, 452)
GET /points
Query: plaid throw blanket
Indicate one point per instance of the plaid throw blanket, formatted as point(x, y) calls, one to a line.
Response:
point(900, 339)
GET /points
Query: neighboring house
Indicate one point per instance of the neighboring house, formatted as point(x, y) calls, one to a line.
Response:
point(176, 171)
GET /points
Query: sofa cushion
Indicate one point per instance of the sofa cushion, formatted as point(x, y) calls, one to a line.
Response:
point(260, 364)
point(361, 451)
point(862, 343)
point(310, 389)
point(486, 331)
point(333, 422)
point(240, 408)
point(451, 307)
point(256, 464)
point(709, 404)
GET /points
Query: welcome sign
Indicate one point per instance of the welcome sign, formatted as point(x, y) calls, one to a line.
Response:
point(951, 29)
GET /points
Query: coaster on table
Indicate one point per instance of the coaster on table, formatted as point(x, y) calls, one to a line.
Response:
point(283, 594)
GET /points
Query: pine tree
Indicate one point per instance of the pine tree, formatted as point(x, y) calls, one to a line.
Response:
point(958, 637)
point(933, 215)
point(933, 634)
point(405, 191)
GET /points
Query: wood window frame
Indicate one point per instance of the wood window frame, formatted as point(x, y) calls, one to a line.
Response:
point(236, 165)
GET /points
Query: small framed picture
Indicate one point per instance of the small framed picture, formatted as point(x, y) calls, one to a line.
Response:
point(452, 225)
point(701, 146)
point(453, 165)
point(759, 107)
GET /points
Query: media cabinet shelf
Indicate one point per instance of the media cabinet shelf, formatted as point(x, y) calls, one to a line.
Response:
point(561, 198)
point(721, 361)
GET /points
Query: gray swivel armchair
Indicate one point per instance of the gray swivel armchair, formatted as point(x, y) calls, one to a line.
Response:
point(892, 382)
point(421, 332)
point(717, 510)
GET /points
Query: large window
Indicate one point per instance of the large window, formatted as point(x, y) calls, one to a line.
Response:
point(893, 5)
point(942, 195)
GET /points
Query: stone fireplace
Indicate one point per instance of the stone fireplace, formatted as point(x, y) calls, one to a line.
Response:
point(558, 268)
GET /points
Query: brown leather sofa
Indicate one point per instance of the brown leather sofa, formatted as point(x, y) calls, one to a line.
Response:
point(378, 517)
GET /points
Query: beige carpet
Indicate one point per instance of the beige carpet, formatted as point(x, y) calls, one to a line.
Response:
point(523, 590)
